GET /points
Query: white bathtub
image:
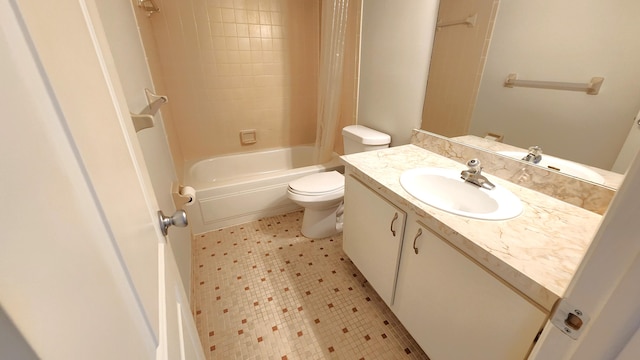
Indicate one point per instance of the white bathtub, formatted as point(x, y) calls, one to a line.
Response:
point(234, 189)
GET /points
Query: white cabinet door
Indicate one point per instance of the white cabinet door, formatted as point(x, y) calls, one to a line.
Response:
point(372, 236)
point(457, 310)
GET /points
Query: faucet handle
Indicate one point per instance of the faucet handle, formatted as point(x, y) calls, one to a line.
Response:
point(474, 165)
point(535, 150)
point(474, 175)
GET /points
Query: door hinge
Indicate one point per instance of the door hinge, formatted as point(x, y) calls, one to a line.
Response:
point(569, 319)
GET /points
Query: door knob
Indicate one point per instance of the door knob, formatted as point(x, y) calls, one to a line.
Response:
point(179, 219)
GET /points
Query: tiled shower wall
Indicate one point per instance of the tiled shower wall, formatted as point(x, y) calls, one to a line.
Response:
point(229, 65)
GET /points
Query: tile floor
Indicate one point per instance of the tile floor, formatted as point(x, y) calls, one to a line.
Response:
point(264, 291)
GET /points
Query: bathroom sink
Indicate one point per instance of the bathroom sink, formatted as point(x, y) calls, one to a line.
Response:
point(561, 165)
point(445, 190)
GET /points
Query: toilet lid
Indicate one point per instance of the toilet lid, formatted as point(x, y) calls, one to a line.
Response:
point(319, 183)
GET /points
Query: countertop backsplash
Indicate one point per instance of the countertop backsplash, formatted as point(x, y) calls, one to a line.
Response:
point(585, 194)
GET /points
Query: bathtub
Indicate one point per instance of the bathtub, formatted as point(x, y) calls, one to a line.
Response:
point(237, 188)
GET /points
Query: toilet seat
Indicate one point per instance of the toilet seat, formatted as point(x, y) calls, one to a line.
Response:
point(320, 184)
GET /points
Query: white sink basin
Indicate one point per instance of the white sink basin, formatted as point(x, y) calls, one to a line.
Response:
point(564, 166)
point(445, 190)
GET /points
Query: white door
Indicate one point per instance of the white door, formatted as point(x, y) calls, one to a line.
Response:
point(84, 270)
point(605, 286)
point(632, 349)
point(122, 22)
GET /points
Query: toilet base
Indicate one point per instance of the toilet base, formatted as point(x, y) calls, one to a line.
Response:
point(318, 224)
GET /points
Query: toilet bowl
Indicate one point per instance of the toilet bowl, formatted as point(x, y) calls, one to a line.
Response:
point(321, 194)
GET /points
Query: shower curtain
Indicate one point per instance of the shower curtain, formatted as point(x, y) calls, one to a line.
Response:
point(332, 39)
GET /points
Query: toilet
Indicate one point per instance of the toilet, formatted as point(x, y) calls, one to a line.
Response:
point(321, 194)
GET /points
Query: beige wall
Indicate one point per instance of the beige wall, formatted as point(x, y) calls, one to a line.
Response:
point(155, 67)
point(459, 54)
point(397, 37)
point(551, 41)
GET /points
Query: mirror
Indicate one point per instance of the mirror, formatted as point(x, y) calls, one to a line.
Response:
point(560, 41)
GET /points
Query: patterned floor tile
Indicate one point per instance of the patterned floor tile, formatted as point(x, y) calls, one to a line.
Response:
point(264, 291)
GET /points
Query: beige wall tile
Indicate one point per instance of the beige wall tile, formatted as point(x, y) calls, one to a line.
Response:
point(230, 65)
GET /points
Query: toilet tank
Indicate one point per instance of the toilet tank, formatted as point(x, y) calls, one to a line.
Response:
point(358, 138)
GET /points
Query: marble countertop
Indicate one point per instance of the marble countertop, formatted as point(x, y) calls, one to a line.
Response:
point(536, 253)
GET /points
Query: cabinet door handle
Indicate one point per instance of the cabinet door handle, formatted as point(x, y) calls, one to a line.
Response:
point(395, 217)
point(414, 240)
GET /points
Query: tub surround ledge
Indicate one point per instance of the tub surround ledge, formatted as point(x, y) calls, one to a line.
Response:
point(536, 253)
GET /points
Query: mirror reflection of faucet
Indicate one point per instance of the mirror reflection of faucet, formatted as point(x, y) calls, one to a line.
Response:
point(474, 175)
point(534, 155)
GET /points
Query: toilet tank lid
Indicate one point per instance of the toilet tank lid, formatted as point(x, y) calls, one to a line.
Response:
point(365, 135)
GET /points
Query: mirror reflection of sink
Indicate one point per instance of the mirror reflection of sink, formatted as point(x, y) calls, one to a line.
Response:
point(561, 165)
point(445, 190)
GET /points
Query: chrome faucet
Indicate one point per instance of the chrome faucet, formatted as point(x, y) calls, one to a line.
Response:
point(534, 155)
point(474, 175)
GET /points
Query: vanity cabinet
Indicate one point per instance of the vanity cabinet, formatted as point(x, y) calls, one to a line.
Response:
point(452, 306)
point(372, 236)
point(456, 309)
